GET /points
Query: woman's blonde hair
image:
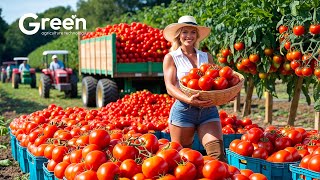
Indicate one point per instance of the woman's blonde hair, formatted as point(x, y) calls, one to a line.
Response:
point(176, 43)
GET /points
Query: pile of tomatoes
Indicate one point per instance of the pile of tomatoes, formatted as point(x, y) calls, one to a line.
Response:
point(90, 144)
point(232, 125)
point(135, 42)
point(210, 77)
point(288, 144)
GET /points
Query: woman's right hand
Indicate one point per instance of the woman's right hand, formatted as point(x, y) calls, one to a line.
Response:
point(194, 101)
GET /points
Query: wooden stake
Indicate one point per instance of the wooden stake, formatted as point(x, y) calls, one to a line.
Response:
point(236, 105)
point(247, 103)
point(295, 102)
point(268, 105)
point(317, 121)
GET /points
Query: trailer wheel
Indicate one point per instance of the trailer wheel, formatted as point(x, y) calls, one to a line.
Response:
point(89, 85)
point(107, 91)
point(33, 83)
point(3, 77)
point(15, 80)
point(44, 86)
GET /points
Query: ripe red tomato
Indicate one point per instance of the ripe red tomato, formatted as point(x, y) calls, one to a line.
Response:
point(313, 163)
point(195, 73)
point(295, 64)
point(282, 156)
point(260, 153)
point(150, 142)
point(225, 52)
point(204, 67)
point(154, 166)
point(305, 161)
point(298, 30)
point(240, 177)
point(89, 174)
point(94, 159)
point(108, 170)
point(212, 72)
point(226, 72)
point(314, 29)
point(194, 157)
point(255, 134)
point(220, 83)
point(214, 170)
point(184, 80)
point(171, 156)
point(89, 148)
point(254, 58)
point(187, 171)
point(239, 46)
point(257, 176)
point(99, 137)
point(205, 83)
point(59, 169)
point(58, 152)
point(233, 145)
point(296, 55)
point(244, 148)
point(294, 152)
point(76, 156)
point(307, 71)
point(123, 152)
point(282, 29)
point(194, 84)
point(129, 168)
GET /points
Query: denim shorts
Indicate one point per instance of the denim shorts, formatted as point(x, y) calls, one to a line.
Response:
point(185, 115)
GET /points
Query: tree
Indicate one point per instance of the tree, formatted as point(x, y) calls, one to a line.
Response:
point(3, 29)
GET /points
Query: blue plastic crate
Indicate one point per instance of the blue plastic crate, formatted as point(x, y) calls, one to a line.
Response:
point(36, 166)
point(157, 134)
point(47, 175)
point(299, 173)
point(228, 138)
point(274, 171)
point(165, 135)
point(22, 158)
point(13, 143)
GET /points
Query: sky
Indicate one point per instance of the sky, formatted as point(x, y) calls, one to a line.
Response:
point(14, 9)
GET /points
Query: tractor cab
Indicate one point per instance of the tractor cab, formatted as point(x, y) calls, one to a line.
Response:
point(62, 79)
point(27, 76)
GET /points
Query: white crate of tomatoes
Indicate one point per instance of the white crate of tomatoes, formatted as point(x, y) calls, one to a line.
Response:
point(212, 82)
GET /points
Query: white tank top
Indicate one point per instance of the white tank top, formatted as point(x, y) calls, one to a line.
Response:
point(183, 64)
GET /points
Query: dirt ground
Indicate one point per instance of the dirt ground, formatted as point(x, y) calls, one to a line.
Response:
point(305, 118)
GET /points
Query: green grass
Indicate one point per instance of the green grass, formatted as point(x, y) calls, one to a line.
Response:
point(25, 100)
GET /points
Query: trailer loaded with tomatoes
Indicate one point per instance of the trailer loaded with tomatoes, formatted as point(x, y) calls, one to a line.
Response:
point(120, 59)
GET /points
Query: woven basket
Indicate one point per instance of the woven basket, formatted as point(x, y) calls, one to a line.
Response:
point(217, 97)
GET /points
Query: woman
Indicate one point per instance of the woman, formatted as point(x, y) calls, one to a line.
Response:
point(189, 114)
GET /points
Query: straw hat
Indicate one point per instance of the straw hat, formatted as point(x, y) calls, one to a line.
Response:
point(170, 31)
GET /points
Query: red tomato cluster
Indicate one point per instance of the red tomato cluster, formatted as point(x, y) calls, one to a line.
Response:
point(287, 144)
point(302, 64)
point(210, 77)
point(135, 42)
point(232, 125)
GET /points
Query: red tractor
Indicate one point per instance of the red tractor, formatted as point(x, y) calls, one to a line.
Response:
point(27, 76)
point(61, 79)
point(6, 71)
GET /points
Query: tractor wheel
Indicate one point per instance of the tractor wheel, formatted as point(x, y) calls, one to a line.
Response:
point(15, 81)
point(89, 85)
point(33, 83)
point(107, 91)
point(73, 93)
point(3, 77)
point(44, 86)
